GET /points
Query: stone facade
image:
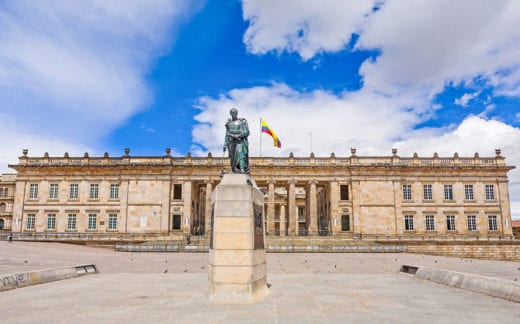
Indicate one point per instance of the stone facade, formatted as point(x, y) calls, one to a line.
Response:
point(346, 197)
point(7, 188)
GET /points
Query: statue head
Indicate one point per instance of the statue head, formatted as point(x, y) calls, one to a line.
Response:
point(234, 113)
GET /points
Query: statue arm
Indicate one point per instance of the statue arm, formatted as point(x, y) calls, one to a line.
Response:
point(245, 129)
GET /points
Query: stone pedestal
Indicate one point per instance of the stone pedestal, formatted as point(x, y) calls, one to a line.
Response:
point(237, 271)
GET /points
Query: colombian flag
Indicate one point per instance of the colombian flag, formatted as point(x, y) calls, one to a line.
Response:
point(266, 129)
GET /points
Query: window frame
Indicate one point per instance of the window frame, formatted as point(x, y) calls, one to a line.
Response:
point(53, 191)
point(489, 190)
point(492, 223)
point(451, 225)
point(427, 192)
point(448, 192)
point(74, 191)
point(471, 221)
point(112, 222)
point(94, 191)
point(33, 191)
point(92, 221)
point(407, 192)
point(114, 191)
point(71, 222)
point(51, 219)
point(177, 191)
point(30, 223)
point(408, 223)
point(343, 192)
point(469, 192)
point(429, 221)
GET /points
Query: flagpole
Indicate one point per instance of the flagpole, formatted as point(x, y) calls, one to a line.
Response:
point(260, 137)
point(310, 135)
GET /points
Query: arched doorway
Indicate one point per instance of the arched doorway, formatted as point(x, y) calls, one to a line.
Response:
point(1, 224)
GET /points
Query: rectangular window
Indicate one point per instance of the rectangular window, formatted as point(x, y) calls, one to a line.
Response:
point(407, 192)
point(468, 192)
point(112, 221)
point(490, 192)
point(343, 192)
point(53, 191)
point(31, 219)
point(114, 191)
point(51, 221)
point(472, 223)
point(345, 223)
point(176, 222)
point(428, 193)
point(71, 222)
point(94, 191)
point(430, 223)
point(74, 188)
point(177, 191)
point(92, 221)
point(450, 223)
point(301, 213)
point(492, 221)
point(33, 191)
point(448, 192)
point(408, 223)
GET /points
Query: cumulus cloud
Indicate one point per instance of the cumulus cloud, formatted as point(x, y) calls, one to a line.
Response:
point(305, 27)
point(75, 69)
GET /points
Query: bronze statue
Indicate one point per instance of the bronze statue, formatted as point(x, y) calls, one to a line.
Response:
point(236, 142)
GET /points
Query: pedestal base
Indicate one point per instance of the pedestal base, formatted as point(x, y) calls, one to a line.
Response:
point(238, 269)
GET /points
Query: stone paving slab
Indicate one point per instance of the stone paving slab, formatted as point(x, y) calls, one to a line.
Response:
point(27, 256)
point(294, 298)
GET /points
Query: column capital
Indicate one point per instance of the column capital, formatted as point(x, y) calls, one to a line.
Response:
point(292, 181)
point(207, 182)
point(271, 181)
point(313, 182)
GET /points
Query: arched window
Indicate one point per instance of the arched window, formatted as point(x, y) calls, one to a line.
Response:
point(2, 207)
point(1, 224)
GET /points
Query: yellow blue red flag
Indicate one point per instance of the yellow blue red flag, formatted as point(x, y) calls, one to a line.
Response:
point(268, 130)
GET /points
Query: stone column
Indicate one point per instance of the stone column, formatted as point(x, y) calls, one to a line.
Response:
point(208, 205)
point(186, 209)
point(282, 220)
point(334, 206)
point(291, 205)
point(504, 219)
point(270, 207)
point(313, 208)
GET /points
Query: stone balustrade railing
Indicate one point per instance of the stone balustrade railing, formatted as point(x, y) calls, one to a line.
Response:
point(266, 161)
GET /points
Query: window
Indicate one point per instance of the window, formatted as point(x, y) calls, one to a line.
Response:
point(345, 223)
point(176, 222)
point(74, 191)
point(492, 221)
point(94, 191)
point(114, 191)
point(53, 191)
point(428, 193)
point(177, 191)
point(490, 192)
point(6, 192)
point(33, 191)
point(31, 219)
point(343, 192)
point(450, 223)
point(472, 223)
point(430, 223)
point(112, 221)
point(71, 222)
point(448, 192)
point(407, 192)
point(408, 223)
point(92, 221)
point(468, 192)
point(2, 192)
point(51, 221)
point(3, 207)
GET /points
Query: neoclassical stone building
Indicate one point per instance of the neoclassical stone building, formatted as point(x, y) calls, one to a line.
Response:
point(350, 197)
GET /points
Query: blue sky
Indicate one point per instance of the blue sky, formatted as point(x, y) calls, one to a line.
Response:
point(421, 76)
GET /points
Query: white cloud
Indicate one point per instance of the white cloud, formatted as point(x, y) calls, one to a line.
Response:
point(305, 27)
point(337, 123)
point(75, 69)
point(466, 98)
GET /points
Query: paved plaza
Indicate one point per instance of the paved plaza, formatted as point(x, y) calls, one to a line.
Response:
point(172, 287)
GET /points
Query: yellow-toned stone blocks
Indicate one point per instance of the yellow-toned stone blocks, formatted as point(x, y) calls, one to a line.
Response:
point(238, 270)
